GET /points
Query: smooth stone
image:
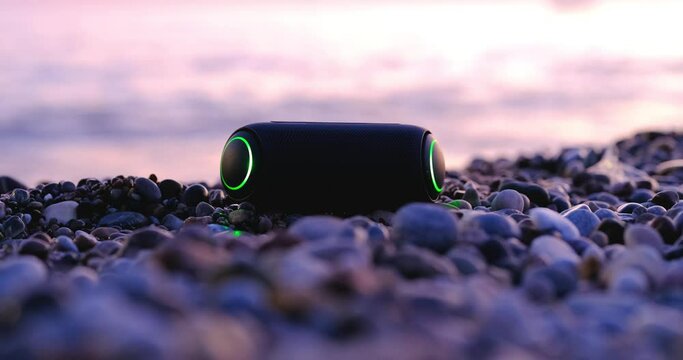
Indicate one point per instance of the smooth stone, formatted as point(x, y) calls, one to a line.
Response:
point(641, 195)
point(657, 210)
point(459, 204)
point(476, 223)
point(204, 209)
point(172, 222)
point(415, 263)
point(124, 219)
point(425, 225)
point(553, 249)
point(103, 233)
point(508, 199)
point(35, 248)
point(20, 275)
point(666, 199)
point(107, 248)
point(8, 184)
point(630, 281)
point(471, 196)
point(240, 216)
point(603, 214)
point(13, 226)
point(84, 241)
point(147, 238)
point(666, 229)
point(147, 189)
point(67, 186)
point(536, 193)
point(638, 234)
point(21, 196)
point(318, 228)
point(170, 188)
point(548, 220)
point(632, 208)
point(65, 244)
point(584, 220)
point(195, 194)
point(3, 211)
point(216, 197)
point(644, 258)
point(62, 212)
point(605, 197)
point(678, 222)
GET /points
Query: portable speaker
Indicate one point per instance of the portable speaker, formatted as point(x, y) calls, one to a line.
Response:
point(331, 167)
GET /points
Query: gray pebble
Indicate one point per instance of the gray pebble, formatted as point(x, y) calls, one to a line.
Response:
point(508, 199)
point(425, 225)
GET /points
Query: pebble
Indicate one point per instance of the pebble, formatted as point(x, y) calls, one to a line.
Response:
point(584, 220)
point(548, 220)
point(3, 208)
point(537, 194)
point(637, 235)
point(35, 248)
point(144, 239)
point(666, 199)
point(425, 225)
point(21, 196)
point(147, 189)
point(204, 209)
point(13, 226)
point(195, 194)
point(65, 244)
point(172, 222)
point(508, 199)
point(19, 275)
point(124, 219)
point(476, 224)
point(170, 188)
point(84, 241)
point(553, 249)
point(61, 212)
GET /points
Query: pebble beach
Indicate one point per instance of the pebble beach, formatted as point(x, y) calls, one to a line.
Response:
point(572, 254)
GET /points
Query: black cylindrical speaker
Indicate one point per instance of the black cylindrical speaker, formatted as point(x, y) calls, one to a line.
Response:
point(331, 167)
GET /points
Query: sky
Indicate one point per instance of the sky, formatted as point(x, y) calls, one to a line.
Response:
point(97, 90)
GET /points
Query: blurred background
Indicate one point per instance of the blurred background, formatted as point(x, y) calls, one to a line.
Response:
point(97, 89)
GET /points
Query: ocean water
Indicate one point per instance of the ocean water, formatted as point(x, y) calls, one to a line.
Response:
point(96, 90)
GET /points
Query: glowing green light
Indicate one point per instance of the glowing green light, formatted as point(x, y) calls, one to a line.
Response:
point(251, 164)
point(431, 166)
point(237, 233)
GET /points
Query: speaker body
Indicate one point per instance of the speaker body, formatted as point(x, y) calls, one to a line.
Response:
point(307, 167)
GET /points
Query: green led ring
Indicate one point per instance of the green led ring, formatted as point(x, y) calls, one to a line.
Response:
point(251, 164)
point(431, 166)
